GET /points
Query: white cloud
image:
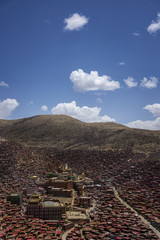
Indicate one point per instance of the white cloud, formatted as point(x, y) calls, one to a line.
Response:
point(30, 103)
point(44, 108)
point(7, 106)
point(47, 21)
point(3, 84)
point(137, 34)
point(155, 25)
point(84, 113)
point(130, 82)
point(150, 124)
point(75, 22)
point(99, 100)
point(92, 82)
point(149, 83)
point(154, 109)
point(121, 63)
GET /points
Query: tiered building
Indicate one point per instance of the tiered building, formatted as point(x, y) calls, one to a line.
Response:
point(59, 192)
point(40, 207)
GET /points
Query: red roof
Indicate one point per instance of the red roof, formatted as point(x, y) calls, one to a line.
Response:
point(58, 232)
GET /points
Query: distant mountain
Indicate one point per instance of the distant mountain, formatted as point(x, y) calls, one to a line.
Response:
point(64, 132)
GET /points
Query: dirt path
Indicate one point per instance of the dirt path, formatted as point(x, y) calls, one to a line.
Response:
point(142, 218)
point(64, 235)
point(90, 209)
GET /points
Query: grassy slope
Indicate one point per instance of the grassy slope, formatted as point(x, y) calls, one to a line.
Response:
point(64, 132)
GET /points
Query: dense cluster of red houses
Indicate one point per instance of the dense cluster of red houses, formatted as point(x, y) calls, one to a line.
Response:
point(139, 186)
point(112, 220)
point(18, 165)
point(136, 180)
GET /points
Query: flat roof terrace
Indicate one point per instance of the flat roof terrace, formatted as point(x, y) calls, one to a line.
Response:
point(75, 215)
point(51, 204)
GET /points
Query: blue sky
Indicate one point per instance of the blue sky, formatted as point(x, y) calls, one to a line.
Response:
point(95, 60)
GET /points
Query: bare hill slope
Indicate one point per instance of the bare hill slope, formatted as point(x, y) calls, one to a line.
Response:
point(64, 132)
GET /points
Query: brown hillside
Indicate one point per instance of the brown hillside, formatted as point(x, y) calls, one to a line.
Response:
point(64, 132)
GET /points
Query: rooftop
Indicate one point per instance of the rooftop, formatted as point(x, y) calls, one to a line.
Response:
point(75, 215)
point(14, 194)
point(51, 204)
point(83, 197)
point(59, 180)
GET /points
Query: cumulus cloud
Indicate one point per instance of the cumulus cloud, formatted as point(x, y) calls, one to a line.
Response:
point(3, 84)
point(149, 83)
point(137, 34)
point(130, 82)
point(155, 25)
point(75, 22)
point(150, 124)
point(44, 108)
point(154, 109)
point(7, 107)
point(84, 113)
point(121, 63)
point(84, 82)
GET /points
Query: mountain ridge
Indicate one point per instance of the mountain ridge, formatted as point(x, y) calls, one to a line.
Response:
point(64, 132)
